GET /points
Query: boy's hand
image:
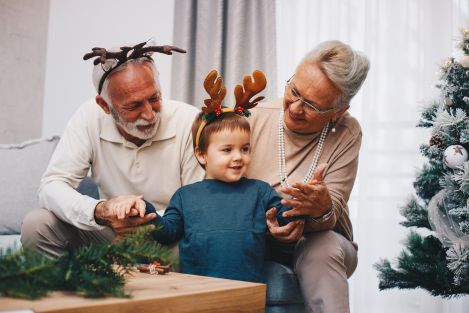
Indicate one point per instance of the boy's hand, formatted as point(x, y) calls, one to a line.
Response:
point(116, 211)
point(289, 233)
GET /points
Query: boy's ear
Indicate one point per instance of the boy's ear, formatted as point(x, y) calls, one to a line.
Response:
point(200, 156)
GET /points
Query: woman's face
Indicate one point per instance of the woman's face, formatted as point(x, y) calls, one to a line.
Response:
point(312, 85)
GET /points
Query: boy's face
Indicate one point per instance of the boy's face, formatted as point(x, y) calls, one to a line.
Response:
point(228, 155)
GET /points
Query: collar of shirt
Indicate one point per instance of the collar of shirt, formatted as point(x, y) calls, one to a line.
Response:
point(166, 128)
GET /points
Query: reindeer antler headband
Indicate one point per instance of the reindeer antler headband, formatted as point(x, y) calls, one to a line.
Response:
point(126, 54)
point(213, 84)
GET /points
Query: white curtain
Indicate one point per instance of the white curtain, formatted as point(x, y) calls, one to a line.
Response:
point(406, 41)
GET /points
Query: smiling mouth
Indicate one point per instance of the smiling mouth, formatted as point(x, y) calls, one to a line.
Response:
point(236, 168)
point(145, 127)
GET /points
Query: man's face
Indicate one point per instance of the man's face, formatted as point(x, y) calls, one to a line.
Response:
point(312, 85)
point(135, 101)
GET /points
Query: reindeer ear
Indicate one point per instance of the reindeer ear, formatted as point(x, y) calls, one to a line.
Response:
point(214, 86)
point(251, 88)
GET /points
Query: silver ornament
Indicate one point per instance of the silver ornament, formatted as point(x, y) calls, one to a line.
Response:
point(455, 156)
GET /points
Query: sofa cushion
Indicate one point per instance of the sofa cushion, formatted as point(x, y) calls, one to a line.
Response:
point(10, 242)
point(21, 168)
point(88, 187)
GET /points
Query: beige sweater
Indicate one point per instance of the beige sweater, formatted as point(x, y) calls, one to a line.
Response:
point(340, 151)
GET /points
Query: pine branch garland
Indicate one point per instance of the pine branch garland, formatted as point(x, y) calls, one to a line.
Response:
point(27, 274)
point(94, 271)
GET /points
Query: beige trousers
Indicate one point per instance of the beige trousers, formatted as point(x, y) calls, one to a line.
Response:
point(323, 262)
point(43, 231)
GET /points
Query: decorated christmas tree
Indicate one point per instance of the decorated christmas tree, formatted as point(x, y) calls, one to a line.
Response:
point(436, 253)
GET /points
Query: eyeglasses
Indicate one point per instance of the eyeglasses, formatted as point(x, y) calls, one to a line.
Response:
point(294, 96)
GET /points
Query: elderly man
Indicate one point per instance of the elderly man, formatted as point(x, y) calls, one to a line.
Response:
point(311, 126)
point(131, 141)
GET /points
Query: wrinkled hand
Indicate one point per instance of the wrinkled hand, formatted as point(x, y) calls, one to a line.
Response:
point(123, 214)
point(309, 199)
point(288, 233)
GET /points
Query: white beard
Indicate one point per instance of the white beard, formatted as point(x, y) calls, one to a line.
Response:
point(131, 127)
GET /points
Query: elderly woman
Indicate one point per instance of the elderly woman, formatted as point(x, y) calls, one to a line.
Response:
point(311, 126)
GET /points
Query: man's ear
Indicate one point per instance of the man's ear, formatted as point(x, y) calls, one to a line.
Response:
point(103, 104)
point(339, 113)
point(200, 156)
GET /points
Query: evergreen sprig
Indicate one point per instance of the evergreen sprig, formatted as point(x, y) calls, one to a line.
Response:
point(427, 183)
point(416, 215)
point(27, 274)
point(428, 115)
point(464, 43)
point(96, 270)
point(456, 85)
point(422, 264)
point(458, 257)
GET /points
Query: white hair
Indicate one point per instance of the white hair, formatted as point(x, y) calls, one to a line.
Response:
point(345, 67)
point(98, 73)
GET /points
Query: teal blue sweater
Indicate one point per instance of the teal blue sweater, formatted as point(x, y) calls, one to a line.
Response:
point(221, 227)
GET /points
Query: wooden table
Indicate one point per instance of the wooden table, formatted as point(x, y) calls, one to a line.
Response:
point(173, 292)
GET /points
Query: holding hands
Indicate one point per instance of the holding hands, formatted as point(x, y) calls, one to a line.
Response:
point(123, 214)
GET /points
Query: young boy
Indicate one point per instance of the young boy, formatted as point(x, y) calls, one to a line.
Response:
point(221, 221)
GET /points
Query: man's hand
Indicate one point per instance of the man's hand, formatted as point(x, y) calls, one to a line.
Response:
point(309, 199)
point(289, 233)
point(123, 214)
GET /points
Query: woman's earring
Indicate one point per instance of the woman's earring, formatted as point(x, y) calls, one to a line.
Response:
point(333, 126)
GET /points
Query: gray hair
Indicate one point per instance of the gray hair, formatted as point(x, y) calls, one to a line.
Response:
point(346, 68)
point(98, 72)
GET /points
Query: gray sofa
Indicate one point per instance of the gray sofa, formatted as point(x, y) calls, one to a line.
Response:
point(22, 166)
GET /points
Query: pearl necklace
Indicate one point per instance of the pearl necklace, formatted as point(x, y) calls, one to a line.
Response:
point(281, 152)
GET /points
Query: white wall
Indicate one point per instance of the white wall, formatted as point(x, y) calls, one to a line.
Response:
point(23, 37)
point(76, 26)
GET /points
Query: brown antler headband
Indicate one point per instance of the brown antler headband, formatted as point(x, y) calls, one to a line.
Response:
point(126, 53)
point(213, 84)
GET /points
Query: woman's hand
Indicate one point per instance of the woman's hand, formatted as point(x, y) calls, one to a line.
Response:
point(289, 233)
point(309, 199)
